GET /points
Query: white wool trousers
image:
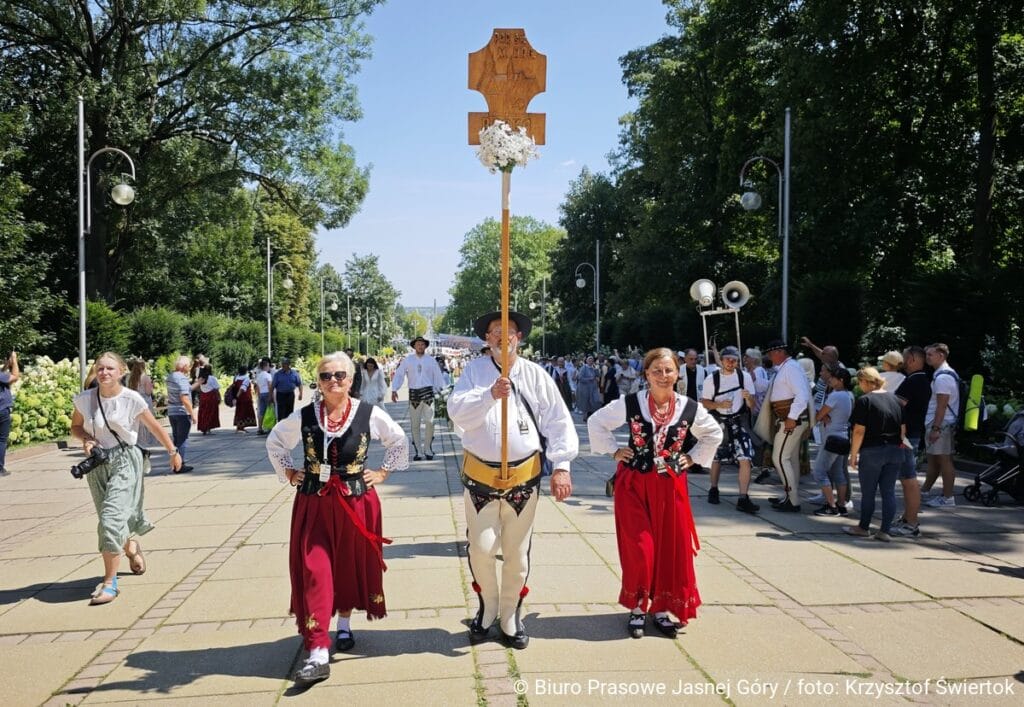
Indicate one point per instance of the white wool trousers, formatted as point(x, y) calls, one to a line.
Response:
point(497, 528)
point(422, 415)
point(786, 458)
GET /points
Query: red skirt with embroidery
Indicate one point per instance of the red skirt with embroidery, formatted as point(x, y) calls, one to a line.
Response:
point(209, 411)
point(333, 567)
point(245, 414)
point(657, 542)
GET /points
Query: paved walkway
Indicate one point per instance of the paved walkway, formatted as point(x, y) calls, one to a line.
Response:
point(795, 611)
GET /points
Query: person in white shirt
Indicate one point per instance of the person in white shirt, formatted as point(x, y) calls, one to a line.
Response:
point(374, 389)
point(729, 396)
point(425, 381)
point(940, 425)
point(691, 376)
point(263, 381)
point(500, 506)
point(789, 397)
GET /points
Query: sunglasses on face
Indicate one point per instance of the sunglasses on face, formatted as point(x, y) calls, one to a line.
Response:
point(339, 376)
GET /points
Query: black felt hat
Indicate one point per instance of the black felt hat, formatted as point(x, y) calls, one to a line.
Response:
point(522, 322)
point(419, 338)
point(776, 345)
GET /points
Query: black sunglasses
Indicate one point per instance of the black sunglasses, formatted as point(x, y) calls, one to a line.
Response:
point(337, 375)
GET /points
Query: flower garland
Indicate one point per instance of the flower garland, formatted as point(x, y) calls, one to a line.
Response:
point(502, 147)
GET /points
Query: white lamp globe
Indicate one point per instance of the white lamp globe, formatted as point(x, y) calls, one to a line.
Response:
point(122, 194)
point(750, 201)
point(581, 283)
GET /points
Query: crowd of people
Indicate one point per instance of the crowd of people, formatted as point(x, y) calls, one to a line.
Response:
point(753, 410)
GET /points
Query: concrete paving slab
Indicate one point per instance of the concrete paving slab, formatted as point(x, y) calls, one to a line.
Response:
point(561, 550)
point(10, 528)
point(957, 646)
point(591, 583)
point(55, 545)
point(26, 682)
point(423, 588)
point(1008, 548)
point(234, 599)
point(272, 532)
point(170, 537)
point(202, 665)
point(27, 575)
point(718, 585)
point(440, 693)
point(949, 578)
point(416, 526)
point(211, 515)
point(50, 509)
point(162, 567)
point(395, 506)
point(406, 554)
point(771, 548)
point(67, 608)
point(254, 561)
point(230, 497)
point(247, 699)
point(606, 545)
point(836, 581)
point(725, 644)
point(1004, 615)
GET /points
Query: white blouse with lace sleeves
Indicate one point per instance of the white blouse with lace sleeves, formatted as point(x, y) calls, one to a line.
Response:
point(287, 435)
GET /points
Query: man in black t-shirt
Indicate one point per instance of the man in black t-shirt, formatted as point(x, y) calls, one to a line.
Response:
point(913, 394)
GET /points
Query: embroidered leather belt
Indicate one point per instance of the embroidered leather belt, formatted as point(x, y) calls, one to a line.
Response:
point(489, 473)
point(348, 484)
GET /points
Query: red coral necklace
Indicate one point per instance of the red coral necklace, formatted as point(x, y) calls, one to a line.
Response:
point(660, 419)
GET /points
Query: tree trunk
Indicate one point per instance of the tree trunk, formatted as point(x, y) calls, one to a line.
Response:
point(985, 41)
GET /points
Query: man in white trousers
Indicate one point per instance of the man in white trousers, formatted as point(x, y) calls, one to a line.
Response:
point(500, 507)
point(425, 380)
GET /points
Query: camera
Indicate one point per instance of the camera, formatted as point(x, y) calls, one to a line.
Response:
point(96, 457)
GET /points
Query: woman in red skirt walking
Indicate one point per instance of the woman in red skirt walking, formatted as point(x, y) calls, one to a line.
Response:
point(209, 400)
point(653, 523)
point(335, 552)
point(245, 413)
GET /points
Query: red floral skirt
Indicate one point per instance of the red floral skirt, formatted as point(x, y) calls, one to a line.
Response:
point(209, 411)
point(333, 567)
point(245, 413)
point(657, 543)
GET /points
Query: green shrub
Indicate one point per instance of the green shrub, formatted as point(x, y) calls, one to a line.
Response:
point(252, 332)
point(230, 354)
point(334, 340)
point(43, 401)
point(106, 330)
point(201, 332)
point(155, 331)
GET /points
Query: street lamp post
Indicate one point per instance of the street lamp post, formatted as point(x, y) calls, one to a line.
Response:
point(751, 201)
point(581, 283)
point(372, 320)
point(323, 312)
point(122, 195)
point(543, 313)
point(287, 282)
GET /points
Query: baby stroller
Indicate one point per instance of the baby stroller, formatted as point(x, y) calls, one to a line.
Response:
point(1004, 475)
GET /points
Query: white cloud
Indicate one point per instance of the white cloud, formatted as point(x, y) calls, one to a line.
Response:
point(568, 163)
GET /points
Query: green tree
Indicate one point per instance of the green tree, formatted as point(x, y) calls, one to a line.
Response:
point(477, 286)
point(207, 97)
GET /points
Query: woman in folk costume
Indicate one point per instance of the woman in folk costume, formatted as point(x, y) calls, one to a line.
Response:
point(245, 411)
point(335, 552)
point(209, 400)
point(656, 534)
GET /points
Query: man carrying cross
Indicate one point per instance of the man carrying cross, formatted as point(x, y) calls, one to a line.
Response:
point(425, 380)
point(500, 507)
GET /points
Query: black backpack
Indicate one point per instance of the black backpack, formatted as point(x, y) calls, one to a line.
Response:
point(716, 380)
point(964, 391)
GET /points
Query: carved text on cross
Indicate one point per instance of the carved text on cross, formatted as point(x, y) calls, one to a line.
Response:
point(509, 72)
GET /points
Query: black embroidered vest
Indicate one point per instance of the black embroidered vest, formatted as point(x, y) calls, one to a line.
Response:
point(347, 452)
point(641, 436)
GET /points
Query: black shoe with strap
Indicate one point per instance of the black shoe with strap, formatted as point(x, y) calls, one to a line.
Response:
point(787, 507)
point(636, 624)
point(667, 626)
point(519, 640)
point(344, 641)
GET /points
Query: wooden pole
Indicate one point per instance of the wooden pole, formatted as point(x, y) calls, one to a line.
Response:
point(506, 258)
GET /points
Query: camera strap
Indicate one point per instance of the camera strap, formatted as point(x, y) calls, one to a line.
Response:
point(99, 402)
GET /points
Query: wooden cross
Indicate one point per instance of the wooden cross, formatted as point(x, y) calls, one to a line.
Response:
point(509, 72)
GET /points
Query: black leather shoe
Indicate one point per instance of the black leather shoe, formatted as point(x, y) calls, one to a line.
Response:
point(477, 632)
point(311, 673)
point(666, 625)
point(635, 625)
point(713, 495)
point(787, 507)
point(518, 641)
point(417, 458)
point(778, 501)
point(762, 478)
point(344, 641)
point(430, 457)
point(746, 505)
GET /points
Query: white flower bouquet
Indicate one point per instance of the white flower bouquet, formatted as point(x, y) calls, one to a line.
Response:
point(502, 147)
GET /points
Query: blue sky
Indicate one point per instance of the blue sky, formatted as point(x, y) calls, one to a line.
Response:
point(427, 189)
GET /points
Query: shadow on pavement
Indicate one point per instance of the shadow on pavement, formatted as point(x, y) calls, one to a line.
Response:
point(404, 551)
point(588, 627)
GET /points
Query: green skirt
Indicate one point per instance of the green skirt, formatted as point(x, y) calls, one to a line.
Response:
point(117, 493)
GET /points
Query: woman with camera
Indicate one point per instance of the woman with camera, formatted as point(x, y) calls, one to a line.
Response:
point(336, 547)
point(106, 419)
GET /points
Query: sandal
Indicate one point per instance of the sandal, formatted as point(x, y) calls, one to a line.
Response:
point(636, 625)
point(136, 560)
point(105, 593)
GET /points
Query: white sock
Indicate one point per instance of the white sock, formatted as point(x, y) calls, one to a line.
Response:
point(318, 656)
point(344, 623)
